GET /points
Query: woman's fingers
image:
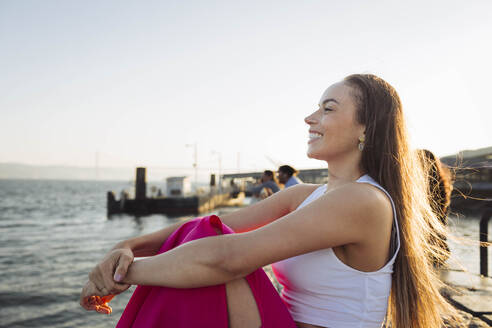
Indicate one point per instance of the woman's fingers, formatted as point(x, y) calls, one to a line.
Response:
point(124, 262)
point(95, 276)
point(102, 306)
point(111, 270)
point(101, 287)
point(104, 309)
point(88, 296)
point(107, 268)
point(125, 259)
point(98, 305)
point(119, 288)
point(92, 302)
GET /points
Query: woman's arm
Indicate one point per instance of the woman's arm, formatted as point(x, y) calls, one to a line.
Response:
point(149, 244)
point(353, 214)
point(108, 274)
point(112, 269)
point(268, 210)
point(248, 218)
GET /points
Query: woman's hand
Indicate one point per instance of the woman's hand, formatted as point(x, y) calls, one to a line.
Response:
point(92, 299)
point(112, 269)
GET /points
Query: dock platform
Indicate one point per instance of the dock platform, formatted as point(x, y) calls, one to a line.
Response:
point(471, 294)
point(179, 204)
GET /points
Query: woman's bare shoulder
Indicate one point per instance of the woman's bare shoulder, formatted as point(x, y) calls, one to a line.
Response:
point(306, 186)
point(373, 202)
point(300, 192)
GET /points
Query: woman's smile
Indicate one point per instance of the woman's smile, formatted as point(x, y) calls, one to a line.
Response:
point(313, 136)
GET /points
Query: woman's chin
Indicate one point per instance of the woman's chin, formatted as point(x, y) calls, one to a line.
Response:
point(321, 156)
point(313, 155)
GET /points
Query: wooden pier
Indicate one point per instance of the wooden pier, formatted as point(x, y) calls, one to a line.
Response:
point(470, 294)
point(175, 205)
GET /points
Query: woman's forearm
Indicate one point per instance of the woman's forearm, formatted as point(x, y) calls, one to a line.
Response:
point(198, 263)
point(149, 244)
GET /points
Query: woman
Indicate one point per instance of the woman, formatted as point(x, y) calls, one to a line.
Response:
point(349, 253)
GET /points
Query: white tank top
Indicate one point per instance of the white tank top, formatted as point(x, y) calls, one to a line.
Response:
point(319, 289)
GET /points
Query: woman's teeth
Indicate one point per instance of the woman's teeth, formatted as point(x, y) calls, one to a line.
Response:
point(313, 136)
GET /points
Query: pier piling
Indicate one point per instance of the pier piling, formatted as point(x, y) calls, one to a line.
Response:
point(140, 184)
point(484, 238)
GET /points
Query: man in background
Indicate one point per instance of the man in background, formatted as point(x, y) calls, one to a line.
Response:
point(287, 176)
point(267, 187)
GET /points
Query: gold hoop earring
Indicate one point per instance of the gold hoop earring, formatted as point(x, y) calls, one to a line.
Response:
point(362, 139)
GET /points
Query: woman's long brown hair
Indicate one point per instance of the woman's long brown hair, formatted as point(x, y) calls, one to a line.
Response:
point(415, 301)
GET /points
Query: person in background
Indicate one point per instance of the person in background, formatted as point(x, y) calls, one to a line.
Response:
point(287, 176)
point(267, 187)
point(439, 193)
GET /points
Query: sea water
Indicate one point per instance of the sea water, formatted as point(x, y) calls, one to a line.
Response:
point(52, 233)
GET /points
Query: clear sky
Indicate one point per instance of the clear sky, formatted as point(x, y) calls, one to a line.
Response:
point(136, 81)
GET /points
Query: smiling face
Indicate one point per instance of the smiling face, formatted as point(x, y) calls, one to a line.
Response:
point(333, 128)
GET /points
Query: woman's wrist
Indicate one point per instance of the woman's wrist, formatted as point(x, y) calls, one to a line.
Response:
point(138, 246)
point(123, 244)
point(131, 277)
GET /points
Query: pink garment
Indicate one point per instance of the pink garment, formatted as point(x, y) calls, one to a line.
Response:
point(152, 306)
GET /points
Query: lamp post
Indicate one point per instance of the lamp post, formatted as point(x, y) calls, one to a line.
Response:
point(220, 168)
point(195, 162)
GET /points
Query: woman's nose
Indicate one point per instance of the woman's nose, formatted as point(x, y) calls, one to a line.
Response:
point(310, 119)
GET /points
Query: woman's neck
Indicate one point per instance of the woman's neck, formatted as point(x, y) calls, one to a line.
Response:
point(340, 173)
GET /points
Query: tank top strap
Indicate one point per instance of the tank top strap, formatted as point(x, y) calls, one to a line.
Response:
point(318, 192)
point(395, 232)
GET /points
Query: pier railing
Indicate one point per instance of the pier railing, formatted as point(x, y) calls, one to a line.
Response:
point(484, 238)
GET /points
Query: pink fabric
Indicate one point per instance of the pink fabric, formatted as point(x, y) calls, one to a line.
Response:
point(204, 307)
